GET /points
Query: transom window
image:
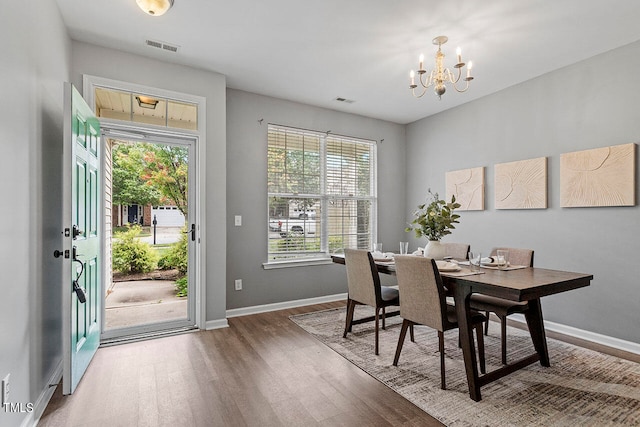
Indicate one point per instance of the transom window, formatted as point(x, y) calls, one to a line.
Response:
point(141, 108)
point(321, 192)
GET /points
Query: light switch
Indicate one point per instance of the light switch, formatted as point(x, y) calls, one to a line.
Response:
point(238, 220)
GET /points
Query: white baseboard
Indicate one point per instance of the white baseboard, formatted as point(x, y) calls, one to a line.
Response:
point(216, 324)
point(245, 311)
point(605, 340)
point(33, 417)
point(593, 337)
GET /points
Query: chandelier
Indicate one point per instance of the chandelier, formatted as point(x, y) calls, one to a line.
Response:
point(440, 76)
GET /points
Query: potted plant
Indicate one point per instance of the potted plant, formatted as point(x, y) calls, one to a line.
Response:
point(434, 221)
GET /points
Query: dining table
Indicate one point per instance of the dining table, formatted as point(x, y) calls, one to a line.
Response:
point(517, 283)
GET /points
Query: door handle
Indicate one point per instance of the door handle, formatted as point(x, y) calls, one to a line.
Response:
point(192, 231)
point(80, 292)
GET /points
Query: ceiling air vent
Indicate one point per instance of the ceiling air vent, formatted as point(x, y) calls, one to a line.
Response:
point(154, 44)
point(161, 45)
point(169, 47)
point(348, 101)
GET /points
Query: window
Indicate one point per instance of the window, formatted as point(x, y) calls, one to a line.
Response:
point(321, 192)
point(140, 108)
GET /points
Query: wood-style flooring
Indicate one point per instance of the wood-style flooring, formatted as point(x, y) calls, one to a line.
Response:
point(261, 371)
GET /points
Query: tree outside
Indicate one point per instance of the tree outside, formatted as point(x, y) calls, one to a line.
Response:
point(150, 174)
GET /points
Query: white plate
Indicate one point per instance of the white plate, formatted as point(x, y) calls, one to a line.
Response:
point(382, 257)
point(492, 264)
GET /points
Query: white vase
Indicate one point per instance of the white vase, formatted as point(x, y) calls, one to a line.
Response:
point(435, 250)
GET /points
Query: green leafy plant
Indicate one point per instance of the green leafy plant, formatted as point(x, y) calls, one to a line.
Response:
point(176, 256)
point(182, 287)
point(130, 255)
point(435, 219)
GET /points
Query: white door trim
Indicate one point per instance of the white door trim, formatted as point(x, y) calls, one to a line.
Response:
point(129, 130)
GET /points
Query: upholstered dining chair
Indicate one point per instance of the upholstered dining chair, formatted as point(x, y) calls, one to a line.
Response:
point(457, 250)
point(422, 302)
point(364, 287)
point(502, 307)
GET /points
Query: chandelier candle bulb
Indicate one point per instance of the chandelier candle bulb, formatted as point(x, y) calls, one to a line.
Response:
point(469, 67)
point(412, 76)
point(421, 61)
point(459, 54)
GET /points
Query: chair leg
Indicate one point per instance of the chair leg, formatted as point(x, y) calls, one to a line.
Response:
point(377, 328)
point(486, 324)
point(411, 333)
point(503, 338)
point(443, 382)
point(403, 333)
point(350, 307)
point(483, 366)
point(383, 318)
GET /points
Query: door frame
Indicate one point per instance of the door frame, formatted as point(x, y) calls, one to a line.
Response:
point(143, 330)
point(141, 131)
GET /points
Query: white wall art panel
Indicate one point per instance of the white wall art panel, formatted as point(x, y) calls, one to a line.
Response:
point(468, 187)
point(598, 177)
point(521, 184)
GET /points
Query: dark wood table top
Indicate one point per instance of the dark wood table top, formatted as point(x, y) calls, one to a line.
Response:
point(517, 285)
point(524, 284)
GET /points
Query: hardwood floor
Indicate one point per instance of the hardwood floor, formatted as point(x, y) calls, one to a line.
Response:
point(261, 371)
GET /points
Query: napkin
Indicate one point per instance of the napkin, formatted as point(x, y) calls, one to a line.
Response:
point(447, 266)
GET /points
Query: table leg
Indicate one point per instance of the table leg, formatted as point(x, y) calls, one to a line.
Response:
point(461, 294)
point(536, 329)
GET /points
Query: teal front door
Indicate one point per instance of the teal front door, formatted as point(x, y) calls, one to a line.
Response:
point(82, 228)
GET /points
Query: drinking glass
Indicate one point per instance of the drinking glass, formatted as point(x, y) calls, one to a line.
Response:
point(502, 259)
point(404, 248)
point(377, 247)
point(474, 261)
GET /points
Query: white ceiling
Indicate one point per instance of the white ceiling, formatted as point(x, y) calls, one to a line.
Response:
point(314, 51)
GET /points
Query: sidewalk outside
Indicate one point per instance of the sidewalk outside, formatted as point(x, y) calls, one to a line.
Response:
point(148, 298)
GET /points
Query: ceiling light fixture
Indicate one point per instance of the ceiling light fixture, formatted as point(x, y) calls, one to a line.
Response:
point(155, 7)
point(147, 102)
point(439, 76)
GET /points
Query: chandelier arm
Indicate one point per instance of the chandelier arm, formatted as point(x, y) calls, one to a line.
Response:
point(448, 76)
point(413, 91)
point(429, 81)
point(466, 86)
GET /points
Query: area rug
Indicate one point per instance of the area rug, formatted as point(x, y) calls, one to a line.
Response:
point(581, 388)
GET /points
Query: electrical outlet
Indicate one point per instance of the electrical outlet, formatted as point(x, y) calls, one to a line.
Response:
point(238, 284)
point(238, 220)
point(5, 389)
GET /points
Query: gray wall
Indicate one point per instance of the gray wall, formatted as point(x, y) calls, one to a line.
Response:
point(247, 186)
point(36, 56)
point(113, 64)
point(587, 105)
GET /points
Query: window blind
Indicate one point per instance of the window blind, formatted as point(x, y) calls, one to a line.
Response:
point(321, 192)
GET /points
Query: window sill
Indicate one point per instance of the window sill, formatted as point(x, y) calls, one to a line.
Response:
point(296, 263)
